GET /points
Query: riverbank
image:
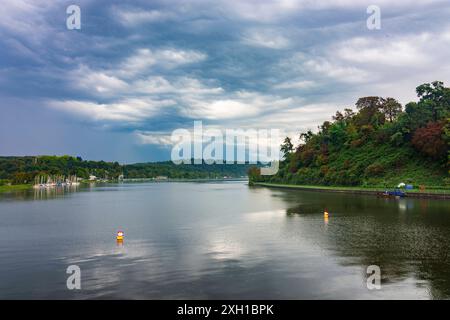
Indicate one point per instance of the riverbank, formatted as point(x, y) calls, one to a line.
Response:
point(430, 194)
point(184, 180)
point(15, 187)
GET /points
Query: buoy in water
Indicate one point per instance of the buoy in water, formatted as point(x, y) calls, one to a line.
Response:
point(120, 236)
point(325, 214)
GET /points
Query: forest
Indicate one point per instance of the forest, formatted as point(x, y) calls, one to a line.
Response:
point(23, 170)
point(379, 144)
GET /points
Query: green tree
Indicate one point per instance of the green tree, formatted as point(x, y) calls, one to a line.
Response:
point(435, 97)
point(391, 108)
point(306, 136)
point(287, 147)
point(416, 116)
point(369, 111)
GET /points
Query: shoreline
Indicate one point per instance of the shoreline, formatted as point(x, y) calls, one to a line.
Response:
point(433, 194)
point(15, 187)
point(22, 187)
point(183, 180)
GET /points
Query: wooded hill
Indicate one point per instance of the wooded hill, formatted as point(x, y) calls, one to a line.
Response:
point(382, 143)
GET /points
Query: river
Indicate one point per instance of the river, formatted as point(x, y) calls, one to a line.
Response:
point(220, 240)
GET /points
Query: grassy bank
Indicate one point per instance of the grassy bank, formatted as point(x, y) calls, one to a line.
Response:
point(441, 193)
point(15, 187)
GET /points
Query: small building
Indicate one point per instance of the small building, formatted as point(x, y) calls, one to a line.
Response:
point(92, 178)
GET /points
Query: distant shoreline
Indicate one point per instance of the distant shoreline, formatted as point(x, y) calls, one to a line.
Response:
point(430, 194)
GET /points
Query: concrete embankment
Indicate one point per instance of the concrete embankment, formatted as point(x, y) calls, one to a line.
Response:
point(427, 195)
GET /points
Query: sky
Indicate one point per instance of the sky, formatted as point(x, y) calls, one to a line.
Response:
point(136, 71)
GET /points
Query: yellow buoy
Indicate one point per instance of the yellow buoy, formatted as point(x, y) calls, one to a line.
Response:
point(120, 236)
point(325, 214)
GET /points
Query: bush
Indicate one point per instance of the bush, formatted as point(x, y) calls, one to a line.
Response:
point(375, 169)
point(396, 139)
point(429, 140)
point(356, 143)
point(4, 182)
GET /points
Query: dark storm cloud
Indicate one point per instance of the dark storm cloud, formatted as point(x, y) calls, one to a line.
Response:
point(139, 69)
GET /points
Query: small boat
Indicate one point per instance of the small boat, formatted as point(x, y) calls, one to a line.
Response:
point(395, 193)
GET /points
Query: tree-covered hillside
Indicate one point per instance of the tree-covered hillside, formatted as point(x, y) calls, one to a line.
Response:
point(185, 171)
point(380, 144)
point(19, 170)
point(22, 170)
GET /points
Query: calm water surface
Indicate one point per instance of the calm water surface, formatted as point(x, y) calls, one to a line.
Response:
point(220, 240)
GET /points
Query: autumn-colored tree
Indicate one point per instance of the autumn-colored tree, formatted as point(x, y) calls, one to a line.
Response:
point(293, 163)
point(365, 146)
point(254, 173)
point(307, 156)
point(429, 140)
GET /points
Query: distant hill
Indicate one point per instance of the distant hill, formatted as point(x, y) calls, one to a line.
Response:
point(381, 144)
point(185, 171)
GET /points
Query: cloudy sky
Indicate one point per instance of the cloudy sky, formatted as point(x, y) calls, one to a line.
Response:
point(137, 70)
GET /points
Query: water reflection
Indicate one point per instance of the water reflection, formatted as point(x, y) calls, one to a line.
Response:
point(221, 240)
point(44, 193)
point(407, 238)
